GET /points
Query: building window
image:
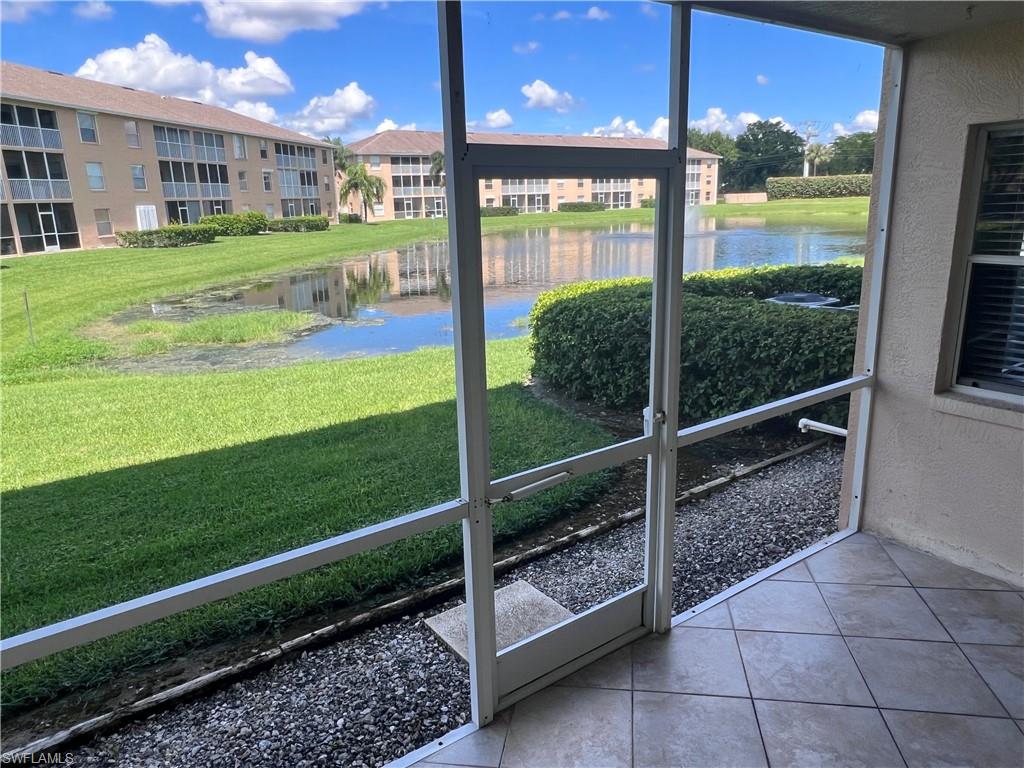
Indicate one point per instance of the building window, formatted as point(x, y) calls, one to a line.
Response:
point(131, 133)
point(238, 142)
point(87, 128)
point(489, 202)
point(269, 208)
point(323, 157)
point(139, 178)
point(327, 184)
point(707, 197)
point(488, 183)
point(263, 149)
point(579, 198)
point(95, 173)
point(990, 336)
point(243, 181)
point(267, 182)
point(579, 183)
point(375, 161)
point(104, 227)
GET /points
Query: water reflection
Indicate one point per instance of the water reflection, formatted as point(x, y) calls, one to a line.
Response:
point(400, 300)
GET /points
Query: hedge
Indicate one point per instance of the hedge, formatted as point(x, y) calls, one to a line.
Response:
point(299, 224)
point(499, 210)
point(834, 280)
point(580, 207)
point(171, 236)
point(350, 218)
point(237, 224)
point(781, 188)
point(648, 202)
point(592, 342)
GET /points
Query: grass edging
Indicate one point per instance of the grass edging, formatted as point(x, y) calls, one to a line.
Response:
point(375, 616)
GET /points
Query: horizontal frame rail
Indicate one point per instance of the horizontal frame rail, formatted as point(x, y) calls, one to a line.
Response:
point(585, 463)
point(63, 635)
point(751, 416)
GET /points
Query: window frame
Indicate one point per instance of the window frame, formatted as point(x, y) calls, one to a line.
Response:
point(963, 262)
point(95, 126)
point(108, 221)
point(89, 176)
point(145, 179)
point(129, 134)
point(238, 147)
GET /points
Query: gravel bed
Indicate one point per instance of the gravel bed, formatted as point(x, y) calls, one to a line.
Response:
point(377, 695)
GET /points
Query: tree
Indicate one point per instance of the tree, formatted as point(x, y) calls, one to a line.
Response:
point(818, 154)
point(766, 149)
point(717, 143)
point(361, 182)
point(437, 167)
point(853, 154)
point(343, 156)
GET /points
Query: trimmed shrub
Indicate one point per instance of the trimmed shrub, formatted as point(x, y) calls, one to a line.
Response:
point(648, 202)
point(237, 224)
point(838, 281)
point(171, 236)
point(299, 224)
point(782, 188)
point(592, 341)
point(350, 218)
point(499, 210)
point(580, 207)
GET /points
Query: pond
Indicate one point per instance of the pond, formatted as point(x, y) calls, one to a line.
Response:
point(400, 300)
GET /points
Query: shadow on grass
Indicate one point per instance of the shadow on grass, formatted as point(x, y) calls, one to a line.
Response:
point(83, 543)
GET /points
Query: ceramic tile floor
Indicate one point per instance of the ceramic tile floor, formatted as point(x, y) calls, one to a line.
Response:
point(864, 654)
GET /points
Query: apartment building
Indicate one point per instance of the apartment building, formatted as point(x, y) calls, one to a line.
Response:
point(84, 160)
point(402, 159)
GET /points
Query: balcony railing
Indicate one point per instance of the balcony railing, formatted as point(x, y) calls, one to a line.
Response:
point(180, 189)
point(407, 191)
point(291, 161)
point(40, 189)
point(297, 190)
point(530, 187)
point(615, 185)
point(26, 136)
point(173, 150)
point(210, 154)
point(215, 190)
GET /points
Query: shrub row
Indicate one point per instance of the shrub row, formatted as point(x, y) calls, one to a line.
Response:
point(499, 210)
point(237, 224)
point(171, 236)
point(648, 202)
point(580, 207)
point(855, 185)
point(592, 341)
point(298, 224)
point(350, 218)
point(834, 280)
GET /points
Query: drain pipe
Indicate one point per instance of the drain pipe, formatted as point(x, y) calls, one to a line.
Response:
point(807, 425)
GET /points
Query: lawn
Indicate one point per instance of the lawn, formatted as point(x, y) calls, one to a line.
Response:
point(115, 485)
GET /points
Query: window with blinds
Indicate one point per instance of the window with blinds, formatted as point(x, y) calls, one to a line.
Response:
point(991, 348)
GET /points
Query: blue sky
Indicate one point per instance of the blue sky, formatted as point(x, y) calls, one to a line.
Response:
point(349, 68)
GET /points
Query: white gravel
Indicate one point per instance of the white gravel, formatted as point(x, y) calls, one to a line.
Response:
point(370, 698)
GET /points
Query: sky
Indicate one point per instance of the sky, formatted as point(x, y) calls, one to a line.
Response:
point(350, 69)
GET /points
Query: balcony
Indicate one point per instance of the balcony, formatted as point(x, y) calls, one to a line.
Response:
point(528, 187)
point(291, 161)
point(179, 189)
point(214, 190)
point(26, 136)
point(611, 185)
point(40, 189)
point(210, 154)
point(407, 191)
point(173, 150)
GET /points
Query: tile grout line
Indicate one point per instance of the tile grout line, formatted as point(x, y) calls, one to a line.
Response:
point(856, 664)
point(746, 680)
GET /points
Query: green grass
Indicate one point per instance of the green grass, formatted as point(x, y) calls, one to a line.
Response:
point(238, 328)
point(836, 210)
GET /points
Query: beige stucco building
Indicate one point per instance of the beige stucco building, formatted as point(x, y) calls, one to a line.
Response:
point(402, 160)
point(84, 160)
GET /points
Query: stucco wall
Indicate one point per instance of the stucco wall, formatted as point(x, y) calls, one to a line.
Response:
point(945, 472)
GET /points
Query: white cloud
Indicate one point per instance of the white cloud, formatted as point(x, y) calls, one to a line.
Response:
point(779, 120)
point(649, 9)
point(333, 113)
point(866, 120)
point(259, 110)
point(524, 49)
point(594, 13)
point(269, 21)
point(561, 16)
point(540, 95)
point(840, 130)
point(387, 124)
point(537, 17)
point(15, 11)
point(620, 128)
point(94, 9)
point(152, 65)
point(762, 79)
point(716, 119)
point(499, 118)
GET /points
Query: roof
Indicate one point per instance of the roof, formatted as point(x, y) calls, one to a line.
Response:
point(400, 142)
point(42, 86)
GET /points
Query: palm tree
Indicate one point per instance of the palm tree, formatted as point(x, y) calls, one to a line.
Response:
point(359, 181)
point(818, 153)
point(437, 167)
point(343, 156)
